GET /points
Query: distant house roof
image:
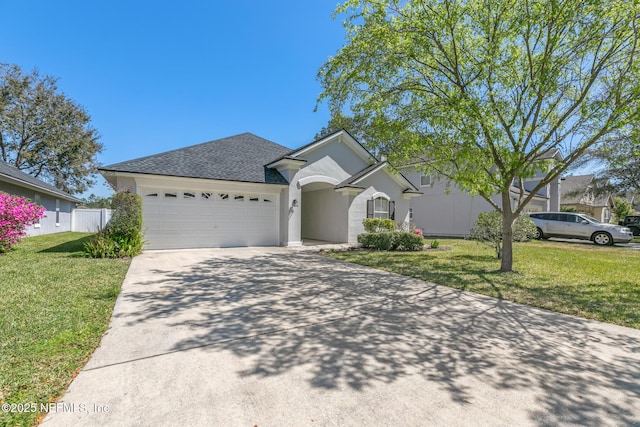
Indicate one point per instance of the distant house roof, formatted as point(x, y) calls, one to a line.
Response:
point(15, 176)
point(551, 153)
point(236, 158)
point(574, 188)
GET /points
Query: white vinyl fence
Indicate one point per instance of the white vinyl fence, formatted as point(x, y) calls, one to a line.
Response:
point(89, 220)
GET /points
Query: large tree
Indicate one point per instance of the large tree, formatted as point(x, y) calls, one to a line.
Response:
point(476, 90)
point(43, 132)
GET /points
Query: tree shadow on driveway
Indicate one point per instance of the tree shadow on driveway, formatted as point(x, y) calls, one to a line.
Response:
point(355, 327)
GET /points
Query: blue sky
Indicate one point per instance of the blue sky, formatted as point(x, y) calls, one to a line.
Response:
point(159, 75)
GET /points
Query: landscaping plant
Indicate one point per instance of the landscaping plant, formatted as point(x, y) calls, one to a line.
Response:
point(488, 229)
point(16, 214)
point(122, 237)
point(391, 241)
point(377, 225)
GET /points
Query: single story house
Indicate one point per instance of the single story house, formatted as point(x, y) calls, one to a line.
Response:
point(578, 193)
point(247, 191)
point(58, 204)
point(445, 210)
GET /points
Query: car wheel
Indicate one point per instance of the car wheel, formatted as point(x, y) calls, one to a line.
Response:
point(635, 231)
point(602, 239)
point(539, 234)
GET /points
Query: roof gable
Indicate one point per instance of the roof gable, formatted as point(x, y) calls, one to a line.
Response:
point(13, 175)
point(340, 135)
point(401, 180)
point(236, 158)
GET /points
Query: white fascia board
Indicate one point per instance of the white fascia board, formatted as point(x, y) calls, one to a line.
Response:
point(287, 164)
point(397, 177)
point(346, 191)
point(371, 172)
point(148, 180)
point(408, 196)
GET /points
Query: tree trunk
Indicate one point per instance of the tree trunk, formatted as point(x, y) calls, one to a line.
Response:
point(507, 234)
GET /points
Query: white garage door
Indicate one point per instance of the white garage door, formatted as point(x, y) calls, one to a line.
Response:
point(208, 219)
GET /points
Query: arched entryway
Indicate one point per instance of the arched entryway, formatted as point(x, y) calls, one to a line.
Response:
point(324, 211)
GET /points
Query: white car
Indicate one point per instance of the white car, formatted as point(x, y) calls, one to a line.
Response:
point(578, 226)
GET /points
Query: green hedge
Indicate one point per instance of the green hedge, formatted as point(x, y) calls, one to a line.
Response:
point(391, 241)
point(122, 237)
point(378, 225)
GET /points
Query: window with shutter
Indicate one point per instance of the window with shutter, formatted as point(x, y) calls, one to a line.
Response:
point(369, 208)
point(381, 208)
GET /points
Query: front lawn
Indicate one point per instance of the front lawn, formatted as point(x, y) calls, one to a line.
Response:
point(574, 278)
point(55, 306)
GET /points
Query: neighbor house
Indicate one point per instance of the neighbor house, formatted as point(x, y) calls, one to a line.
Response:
point(247, 191)
point(58, 204)
point(445, 210)
point(578, 193)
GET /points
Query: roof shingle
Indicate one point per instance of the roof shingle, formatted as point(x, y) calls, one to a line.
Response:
point(236, 158)
point(574, 188)
point(16, 174)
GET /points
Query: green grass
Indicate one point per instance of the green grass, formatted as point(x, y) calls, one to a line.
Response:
point(55, 304)
point(573, 278)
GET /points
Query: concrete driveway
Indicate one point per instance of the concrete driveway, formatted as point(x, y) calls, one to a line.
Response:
point(278, 337)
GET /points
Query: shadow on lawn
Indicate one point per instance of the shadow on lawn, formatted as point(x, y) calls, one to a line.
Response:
point(355, 327)
point(75, 247)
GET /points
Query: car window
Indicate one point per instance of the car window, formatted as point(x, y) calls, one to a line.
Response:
point(573, 218)
point(592, 219)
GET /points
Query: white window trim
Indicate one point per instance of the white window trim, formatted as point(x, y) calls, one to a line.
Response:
point(382, 214)
point(428, 184)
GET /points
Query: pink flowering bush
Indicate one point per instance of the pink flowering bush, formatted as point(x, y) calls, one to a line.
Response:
point(417, 231)
point(16, 214)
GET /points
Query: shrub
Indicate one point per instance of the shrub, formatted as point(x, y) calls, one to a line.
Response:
point(417, 232)
point(378, 225)
point(391, 241)
point(488, 229)
point(122, 237)
point(378, 241)
point(434, 244)
point(404, 241)
point(127, 216)
point(16, 214)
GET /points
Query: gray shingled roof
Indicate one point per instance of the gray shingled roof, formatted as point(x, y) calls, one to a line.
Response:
point(18, 177)
point(573, 188)
point(235, 158)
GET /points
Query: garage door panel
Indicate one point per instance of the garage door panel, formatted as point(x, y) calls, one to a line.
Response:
point(217, 221)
